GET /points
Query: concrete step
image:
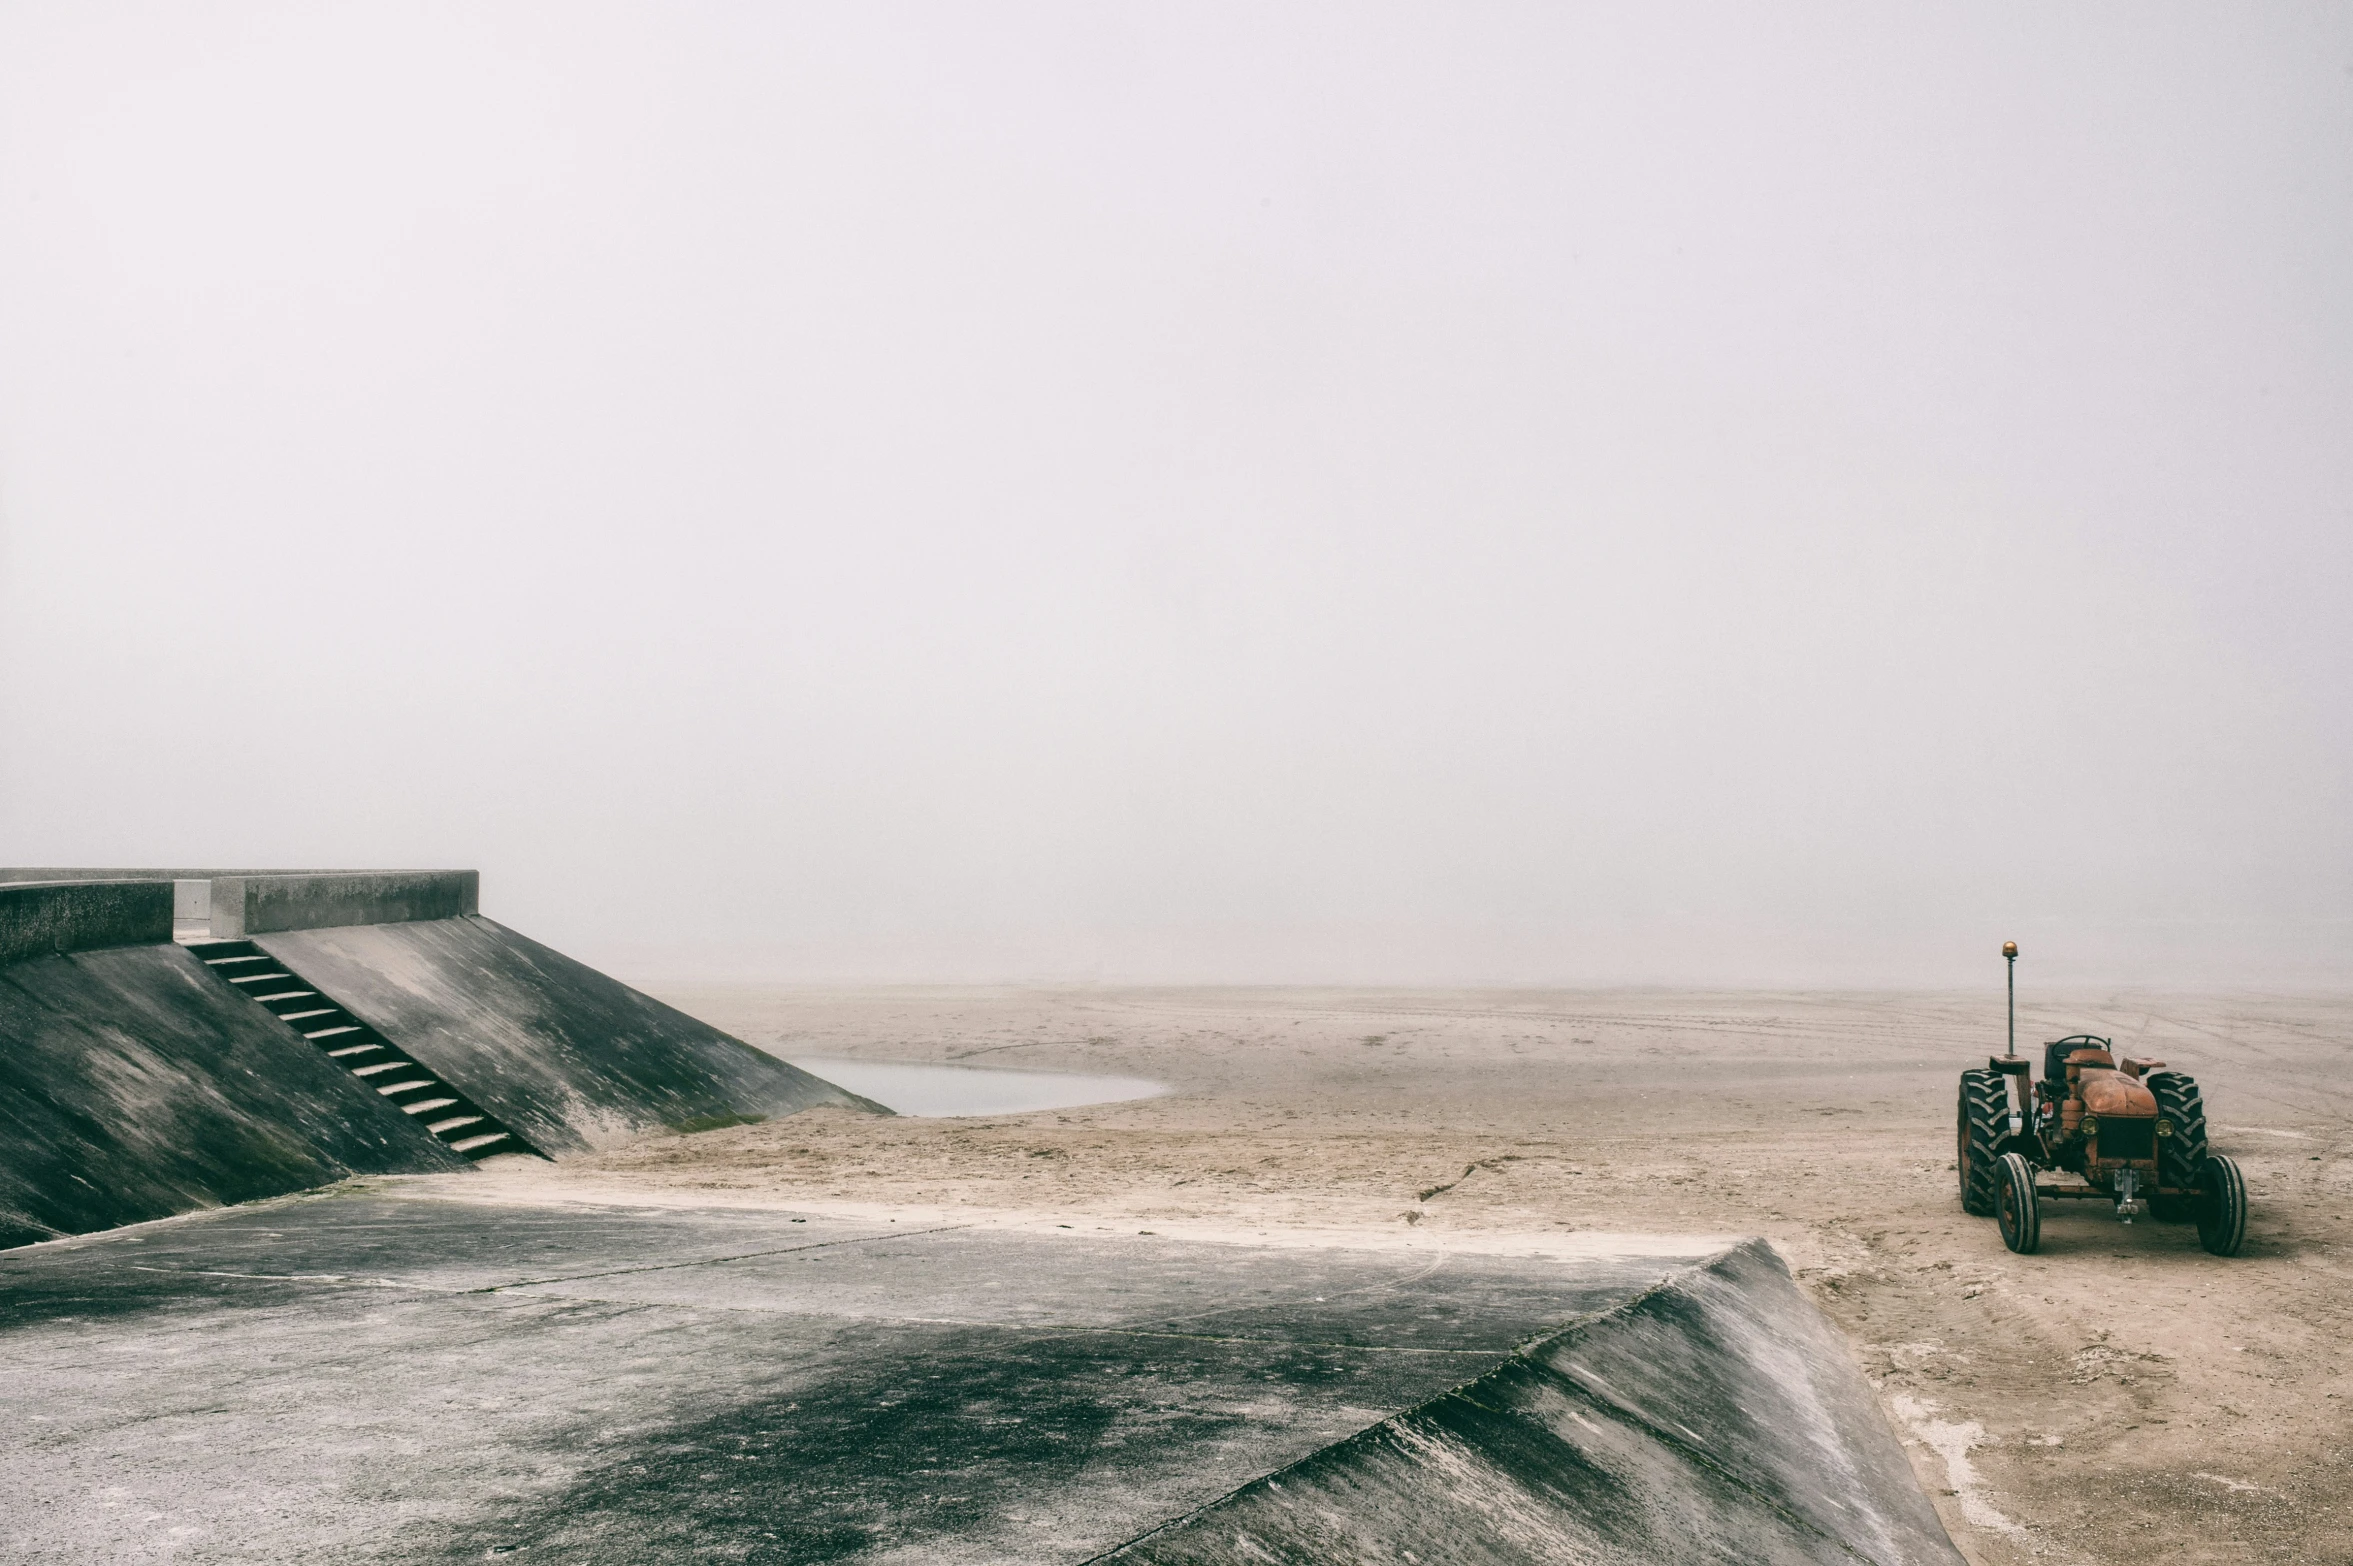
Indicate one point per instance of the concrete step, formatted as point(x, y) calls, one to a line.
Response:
point(454, 1121)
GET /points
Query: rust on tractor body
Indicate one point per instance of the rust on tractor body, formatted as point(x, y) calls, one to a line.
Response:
point(2095, 1120)
point(2113, 1093)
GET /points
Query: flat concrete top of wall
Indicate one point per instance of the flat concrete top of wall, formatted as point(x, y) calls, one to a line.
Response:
point(39, 918)
point(256, 902)
point(150, 873)
point(259, 904)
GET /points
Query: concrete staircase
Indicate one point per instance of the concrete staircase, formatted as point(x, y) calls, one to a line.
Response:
point(445, 1113)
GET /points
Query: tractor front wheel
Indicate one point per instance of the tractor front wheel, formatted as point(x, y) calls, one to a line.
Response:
point(1984, 1120)
point(2222, 1206)
point(2014, 1205)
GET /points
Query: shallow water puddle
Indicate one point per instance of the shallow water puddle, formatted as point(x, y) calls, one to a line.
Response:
point(910, 1089)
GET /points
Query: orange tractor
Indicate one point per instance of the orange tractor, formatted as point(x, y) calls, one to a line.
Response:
point(2094, 1128)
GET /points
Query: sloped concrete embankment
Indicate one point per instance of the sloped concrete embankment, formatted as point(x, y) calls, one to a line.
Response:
point(133, 1085)
point(136, 1084)
point(1715, 1419)
point(572, 1058)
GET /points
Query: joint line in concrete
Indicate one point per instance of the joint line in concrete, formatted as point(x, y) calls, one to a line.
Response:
point(531, 1283)
point(708, 1261)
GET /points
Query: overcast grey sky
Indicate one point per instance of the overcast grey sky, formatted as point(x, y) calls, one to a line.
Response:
point(1444, 493)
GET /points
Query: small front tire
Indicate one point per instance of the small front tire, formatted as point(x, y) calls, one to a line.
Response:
point(2222, 1206)
point(2014, 1205)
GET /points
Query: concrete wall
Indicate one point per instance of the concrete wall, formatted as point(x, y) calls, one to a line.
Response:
point(244, 905)
point(253, 902)
point(37, 918)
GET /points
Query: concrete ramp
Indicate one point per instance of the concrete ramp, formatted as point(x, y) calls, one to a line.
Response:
point(1717, 1418)
point(134, 1085)
point(569, 1057)
point(431, 1373)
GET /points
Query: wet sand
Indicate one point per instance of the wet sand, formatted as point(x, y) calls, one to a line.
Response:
point(2120, 1397)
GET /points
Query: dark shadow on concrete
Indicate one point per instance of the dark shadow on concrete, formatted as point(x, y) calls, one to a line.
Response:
point(956, 1442)
point(352, 1376)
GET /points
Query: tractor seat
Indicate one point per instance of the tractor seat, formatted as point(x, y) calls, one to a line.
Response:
point(2055, 1054)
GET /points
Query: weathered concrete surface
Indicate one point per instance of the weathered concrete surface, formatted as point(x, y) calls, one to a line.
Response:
point(572, 1059)
point(238, 903)
point(249, 905)
point(1717, 1418)
point(80, 916)
point(134, 1085)
point(390, 1374)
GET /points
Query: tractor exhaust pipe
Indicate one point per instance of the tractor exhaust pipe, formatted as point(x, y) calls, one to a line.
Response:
point(2014, 1085)
point(2010, 959)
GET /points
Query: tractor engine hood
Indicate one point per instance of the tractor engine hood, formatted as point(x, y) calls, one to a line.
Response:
point(2107, 1093)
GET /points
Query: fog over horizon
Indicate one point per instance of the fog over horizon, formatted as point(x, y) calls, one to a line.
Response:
point(1366, 494)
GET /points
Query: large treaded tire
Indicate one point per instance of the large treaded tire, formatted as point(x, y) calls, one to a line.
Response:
point(2181, 1157)
point(2222, 1207)
point(2015, 1209)
point(1983, 1121)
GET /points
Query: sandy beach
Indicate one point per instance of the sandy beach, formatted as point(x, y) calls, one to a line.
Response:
point(2119, 1397)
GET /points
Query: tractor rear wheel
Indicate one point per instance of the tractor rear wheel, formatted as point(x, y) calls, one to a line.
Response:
point(2014, 1205)
point(2222, 1206)
point(1983, 1121)
point(2181, 1157)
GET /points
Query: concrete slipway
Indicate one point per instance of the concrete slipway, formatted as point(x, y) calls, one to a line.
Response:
point(409, 1363)
point(388, 1372)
